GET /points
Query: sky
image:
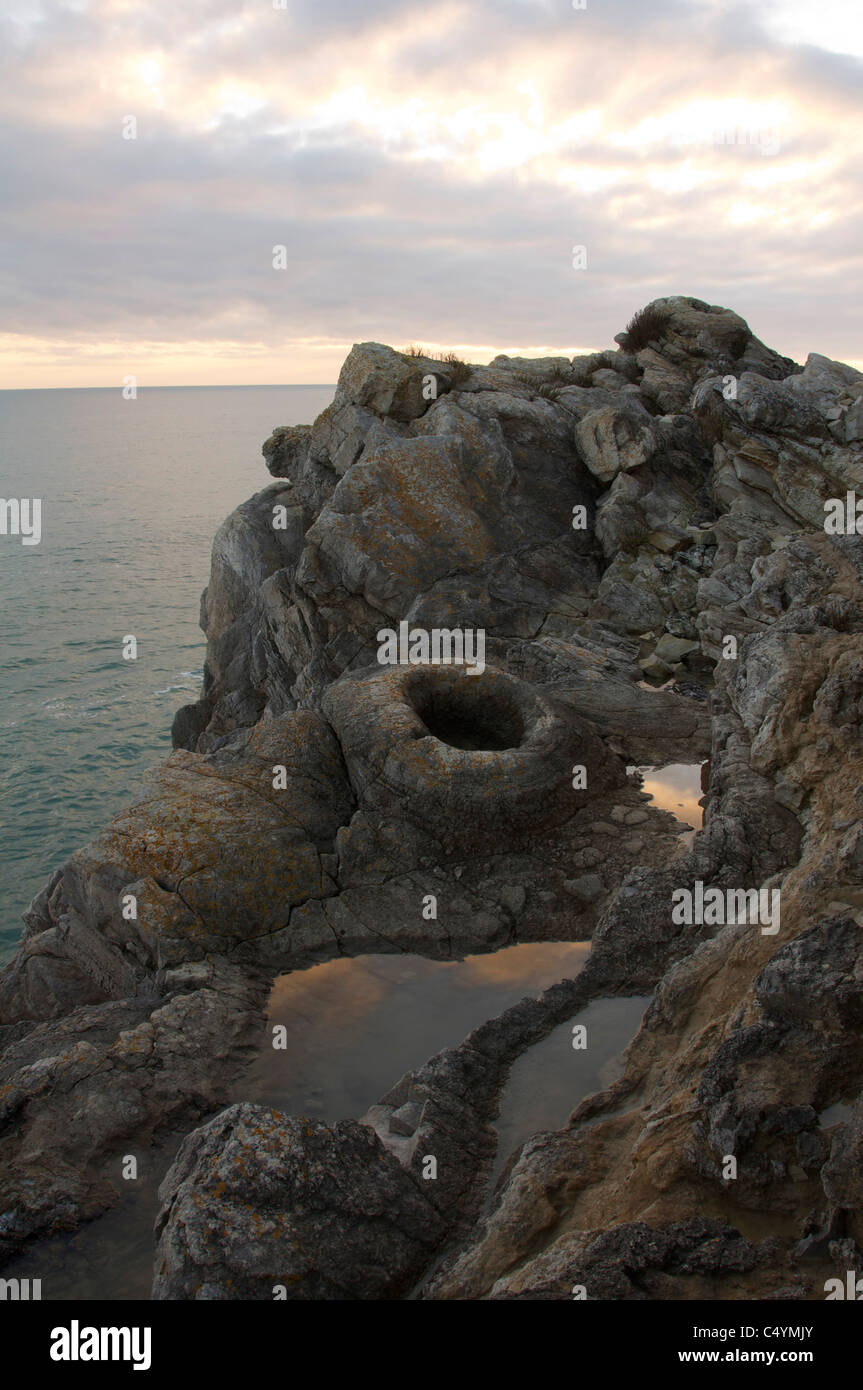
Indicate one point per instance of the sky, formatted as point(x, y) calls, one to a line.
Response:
point(235, 191)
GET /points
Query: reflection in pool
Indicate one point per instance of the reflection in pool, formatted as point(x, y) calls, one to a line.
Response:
point(354, 1026)
point(676, 787)
point(549, 1080)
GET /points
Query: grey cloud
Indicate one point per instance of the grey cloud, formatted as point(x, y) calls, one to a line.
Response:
point(170, 236)
point(447, 261)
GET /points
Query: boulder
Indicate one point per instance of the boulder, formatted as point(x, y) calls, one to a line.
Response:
point(615, 439)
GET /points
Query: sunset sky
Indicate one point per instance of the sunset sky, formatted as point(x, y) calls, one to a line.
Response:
point(429, 166)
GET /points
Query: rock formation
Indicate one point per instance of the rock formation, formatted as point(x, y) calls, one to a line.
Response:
point(640, 534)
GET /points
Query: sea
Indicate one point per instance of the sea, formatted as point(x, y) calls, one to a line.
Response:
point(132, 493)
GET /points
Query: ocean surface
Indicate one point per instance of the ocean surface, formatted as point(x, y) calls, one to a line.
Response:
point(132, 493)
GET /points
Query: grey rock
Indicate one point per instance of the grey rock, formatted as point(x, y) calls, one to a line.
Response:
point(587, 888)
point(615, 439)
point(336, 1216)
point(383, 381)
point(673, 649)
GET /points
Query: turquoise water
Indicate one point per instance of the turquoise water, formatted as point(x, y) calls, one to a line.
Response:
point(132, 494)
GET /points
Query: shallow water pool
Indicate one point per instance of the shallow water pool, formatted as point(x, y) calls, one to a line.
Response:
point(354, 1027)
point(551, 1078)
point(676, 787)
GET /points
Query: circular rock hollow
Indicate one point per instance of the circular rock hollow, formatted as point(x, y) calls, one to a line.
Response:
point(485, 758)
point(469, 715)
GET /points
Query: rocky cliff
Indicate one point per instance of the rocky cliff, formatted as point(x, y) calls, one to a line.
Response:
point(641, 536)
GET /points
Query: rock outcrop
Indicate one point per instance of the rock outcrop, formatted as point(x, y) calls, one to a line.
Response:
point(633, 532)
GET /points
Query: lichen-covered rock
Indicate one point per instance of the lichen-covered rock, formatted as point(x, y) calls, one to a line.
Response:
point(383, 381)
point(334, 1215)
point(285, 447)
point(616, 439)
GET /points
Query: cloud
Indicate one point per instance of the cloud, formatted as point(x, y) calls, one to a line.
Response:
point(428, 168)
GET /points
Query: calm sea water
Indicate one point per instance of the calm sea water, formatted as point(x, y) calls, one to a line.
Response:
point(132, 494)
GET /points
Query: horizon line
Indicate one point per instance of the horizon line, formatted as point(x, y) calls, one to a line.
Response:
point(193, 386)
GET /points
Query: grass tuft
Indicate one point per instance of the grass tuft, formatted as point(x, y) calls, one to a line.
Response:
point(457, 370)
point(645, 326)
